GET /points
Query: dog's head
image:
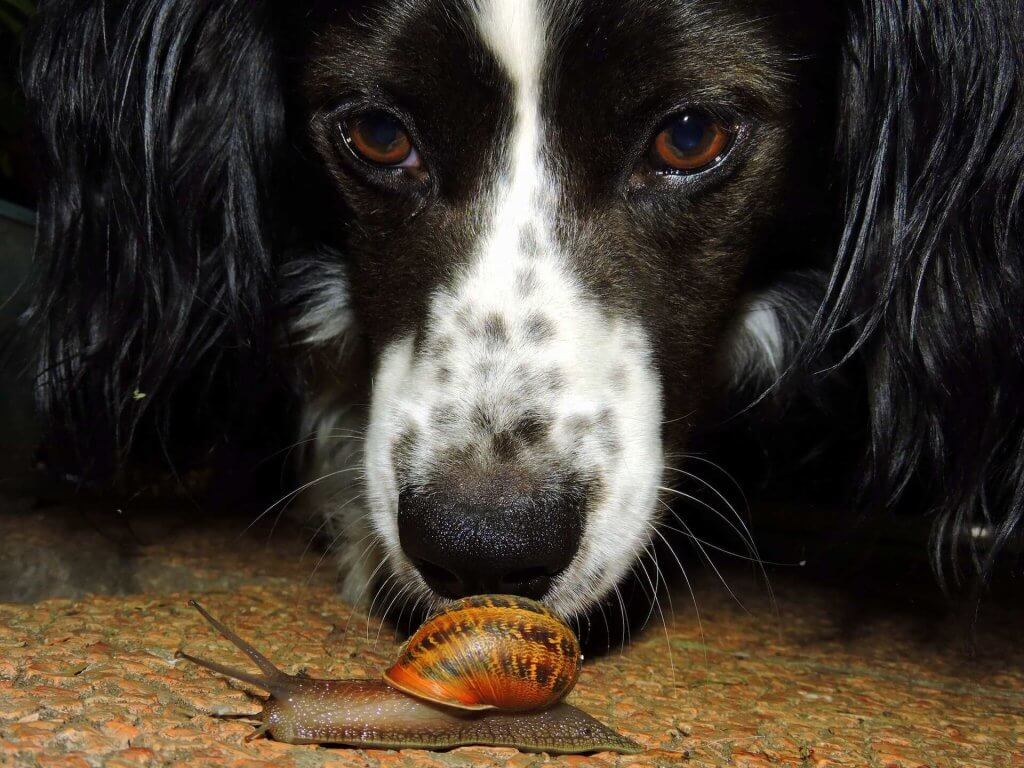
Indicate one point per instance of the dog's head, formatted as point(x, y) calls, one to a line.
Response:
point(560, 225)
point(554, 210)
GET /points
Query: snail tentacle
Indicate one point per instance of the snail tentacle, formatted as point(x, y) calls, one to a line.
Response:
point(257, 680)
point(267, 667)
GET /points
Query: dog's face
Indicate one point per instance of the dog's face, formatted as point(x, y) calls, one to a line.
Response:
point(552, 209)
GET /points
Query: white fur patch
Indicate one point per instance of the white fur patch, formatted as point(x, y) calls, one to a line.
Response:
point(519, 334)
point(761, 342)
point(316, 294)
point(771, 328)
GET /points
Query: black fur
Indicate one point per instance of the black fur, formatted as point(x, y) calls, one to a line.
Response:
point(168, 209)
point(159, 125)
point(929, 269)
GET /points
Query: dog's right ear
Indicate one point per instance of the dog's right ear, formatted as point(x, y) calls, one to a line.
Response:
point(158, 123)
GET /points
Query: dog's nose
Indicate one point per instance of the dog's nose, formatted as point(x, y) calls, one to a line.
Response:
point(491, 532)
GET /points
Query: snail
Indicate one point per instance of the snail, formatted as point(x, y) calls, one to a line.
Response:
point(491, 670)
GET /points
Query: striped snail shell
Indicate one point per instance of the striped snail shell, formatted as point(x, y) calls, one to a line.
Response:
point(490, 652)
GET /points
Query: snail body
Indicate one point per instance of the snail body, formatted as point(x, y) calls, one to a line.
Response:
point(370, 713)
point(374, 714)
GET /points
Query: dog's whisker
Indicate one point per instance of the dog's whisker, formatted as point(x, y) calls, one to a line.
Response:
point(390, 583)
point(321, 509)
point(728, 552)
point(747, 542)
point(735, 483)
point(653, 594)
point(363, 555)
point(729, 505)
point(745, 535)
point(656, 604)
point(751, 547)
point(370, 617)
point(711, 563)
point(402, 591)
point(696, 610)
point(415, 597)
point(292, 494)
point(662, 576)
point(327, 520)
point(313, 537)
point(676, 420)
point(277, 518)
point(624, 632)
point(590, 628)
point(329, 548)
point(607, 626)
point(362, 591)
point(660, 582)
point(315, 437)
point(750, 536)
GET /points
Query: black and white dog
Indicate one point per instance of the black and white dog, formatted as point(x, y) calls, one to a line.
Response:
point(515, 257)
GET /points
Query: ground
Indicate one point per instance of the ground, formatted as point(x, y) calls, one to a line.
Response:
point(866, 669)
point(90, 678)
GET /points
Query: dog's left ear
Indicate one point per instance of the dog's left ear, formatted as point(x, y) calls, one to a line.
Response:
point(159, 124)
point(929, 269)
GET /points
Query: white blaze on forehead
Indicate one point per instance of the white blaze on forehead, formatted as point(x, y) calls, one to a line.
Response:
point(516, 33)
point(520, 275)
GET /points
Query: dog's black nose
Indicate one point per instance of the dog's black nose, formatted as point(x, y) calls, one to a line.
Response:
point(491, 532)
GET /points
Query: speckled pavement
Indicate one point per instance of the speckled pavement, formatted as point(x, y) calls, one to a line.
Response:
point(92, 680)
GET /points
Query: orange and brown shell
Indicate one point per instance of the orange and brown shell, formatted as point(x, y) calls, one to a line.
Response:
point(490, 652)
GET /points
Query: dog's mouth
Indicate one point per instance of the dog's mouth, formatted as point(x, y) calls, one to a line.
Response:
point(450, 584)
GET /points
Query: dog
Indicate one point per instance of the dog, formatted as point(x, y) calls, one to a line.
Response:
point(500, 265)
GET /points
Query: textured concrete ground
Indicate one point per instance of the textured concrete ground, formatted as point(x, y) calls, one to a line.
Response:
point(90, 680)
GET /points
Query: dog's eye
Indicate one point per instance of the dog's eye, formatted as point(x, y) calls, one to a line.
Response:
point(690, 142)
point(380, 139)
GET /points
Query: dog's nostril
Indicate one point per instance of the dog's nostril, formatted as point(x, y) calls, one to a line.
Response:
point(528, 582)
point(441, 580)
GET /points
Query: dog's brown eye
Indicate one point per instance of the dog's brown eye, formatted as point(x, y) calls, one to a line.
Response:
point(690, 142)
point(380, 139)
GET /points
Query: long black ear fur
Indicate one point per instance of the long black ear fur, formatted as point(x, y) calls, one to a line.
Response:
point(930, 270)
point(158, 123)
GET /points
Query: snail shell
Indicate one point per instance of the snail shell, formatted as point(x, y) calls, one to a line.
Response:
point(490, 652)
